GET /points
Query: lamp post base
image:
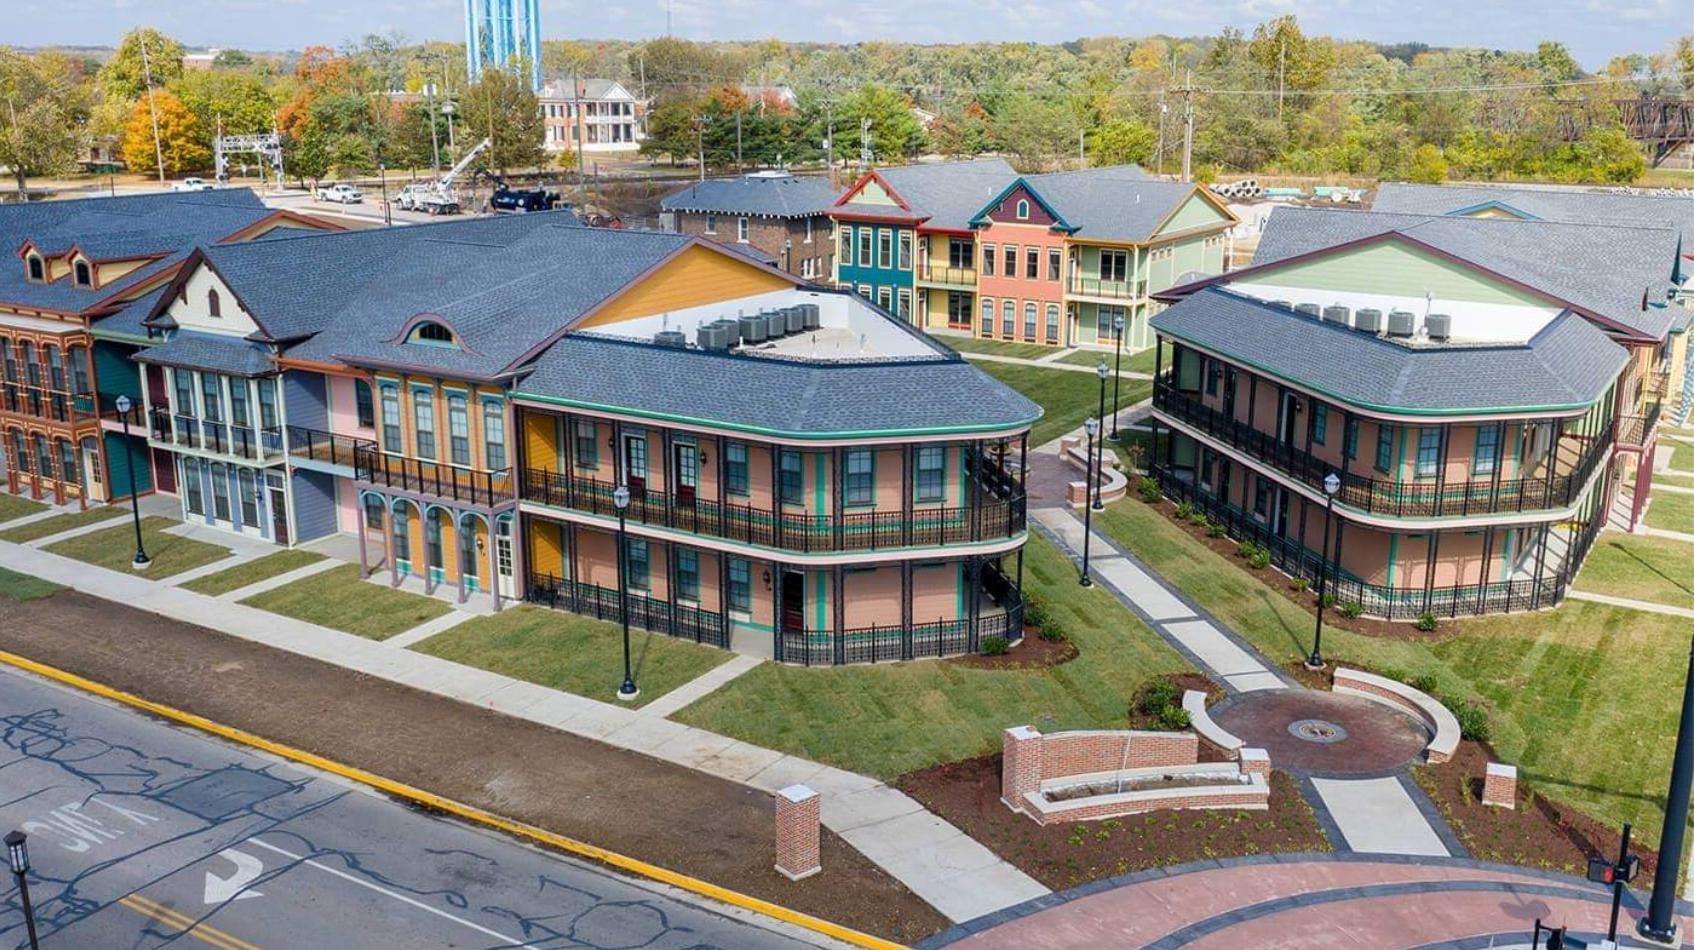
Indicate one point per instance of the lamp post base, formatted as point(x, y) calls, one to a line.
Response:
point(1670, 937)
point(140, 562)
point(1315, 663)
point(1086, 581)
point(627, 692)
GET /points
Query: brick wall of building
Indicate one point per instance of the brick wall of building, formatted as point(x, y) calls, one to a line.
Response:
point(770, 235)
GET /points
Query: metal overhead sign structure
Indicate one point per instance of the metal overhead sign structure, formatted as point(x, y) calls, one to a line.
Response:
point(265, 144)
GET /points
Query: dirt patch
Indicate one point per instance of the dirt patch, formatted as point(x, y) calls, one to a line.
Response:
point(1539, 833)
point(671, 816)
point(967, 793)
point(1030, 653)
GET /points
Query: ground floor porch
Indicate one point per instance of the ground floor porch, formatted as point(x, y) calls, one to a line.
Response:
point(471, 548)
point(89, 466)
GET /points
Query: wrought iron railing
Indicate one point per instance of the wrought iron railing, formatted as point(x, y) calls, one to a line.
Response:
point(329, 447)
point(256, 444)
point(1637, 429)
point(446, 482)
point(941, 274)
point(55, 405)
point(649, 613)
point(1096, 287)
point(1431, 498)
point(890, 642)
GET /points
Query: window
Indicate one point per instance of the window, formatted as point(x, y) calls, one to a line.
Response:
point(905, 261)
point(211, 397)
point(214, 306)
point(1114, 266)
point(458, 429)
point(1429, 452)
point(423, 421)
point(1052, 323)
point(220, 491)
point(687, 574)
point(884, 249)
point(1350, 444)
point(864, 246)
point(988, 318)
point(238, 402)
point(55, 367)
point(67, 463)
point(362, 403)
point(493, 435)
point(959, 253)
point(847, 245)
point(1384, 447)
point(1008, 319)
point(430, 333)
point(43, 458)
point(83, 274)
point(1055, 263)
point(267, 403)
point(79, 369)
point(1107, 321)
point(1320, 422)
point(740, 585)
point(808, 239)
point(373, 513)
point(1032, 263)
point(791, 486)
point(1211, 370)
point(191, 491)
point(432, 539)
point(403, 533)
point(249, 499)
point(587, 444)
point(637, 566)
point(1261, 496)
point(1009, 254)
point(885, 298)
point(711, 224)
point(32, 369)
point(859, 487)
point(988, 260)
point(6, 360)
point(903, 303)
point(932, 472)
point(1029, 322)
point(1487, 447)
point(468, 559)
point(1023, 210)
point(391, 420)
point(37, 271)
point(184, 383)
point(735, 468)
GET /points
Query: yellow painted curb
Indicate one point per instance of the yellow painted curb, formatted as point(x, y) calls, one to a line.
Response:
point(468, 812)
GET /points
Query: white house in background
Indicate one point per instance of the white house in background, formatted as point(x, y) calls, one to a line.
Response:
point(598, 115)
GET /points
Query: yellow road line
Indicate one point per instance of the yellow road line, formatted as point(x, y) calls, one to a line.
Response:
point(203, 932)
point(467, 812)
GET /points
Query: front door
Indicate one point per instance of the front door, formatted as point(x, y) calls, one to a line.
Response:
point(793, 600)
point(635, 463)
point(93, 475)
point(1229, 393)
point(279, 515)
point(685, 462)
point(1289, 412)
point(503, 557)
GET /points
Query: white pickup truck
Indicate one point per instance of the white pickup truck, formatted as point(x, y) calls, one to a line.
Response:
point(191, 184)
point(341, 192)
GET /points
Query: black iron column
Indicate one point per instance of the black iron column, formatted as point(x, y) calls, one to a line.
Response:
point(1660, 922)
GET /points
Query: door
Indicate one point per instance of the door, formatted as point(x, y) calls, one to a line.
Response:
point(793, 600)
point(503, 558)
point(635, 463)
point(685, 462)
point(1229, 393)
point(1289, 410)
point(279, 515)
point(93, 479)
point(1279, 520)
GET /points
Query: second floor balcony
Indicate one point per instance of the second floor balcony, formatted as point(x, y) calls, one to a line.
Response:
point(327, 448)
point(947, 275)
point(1636, 428)
point(51, 405)
point(432, 479)
point(215, 436)
point(1085, 285)
point(1556, 482)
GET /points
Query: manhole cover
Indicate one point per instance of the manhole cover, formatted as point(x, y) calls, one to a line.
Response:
point(1317, 730)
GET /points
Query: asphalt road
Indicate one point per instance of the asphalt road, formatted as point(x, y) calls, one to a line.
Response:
point(145, 834)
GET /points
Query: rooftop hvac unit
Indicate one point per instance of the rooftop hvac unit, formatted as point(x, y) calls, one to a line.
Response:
point(1309, 309)
point(811, 316)
point(776, 324)
point(731, 329)
point(1336, 314)
point(796, 319)
point(1439, 326)
point(709, 337)
point(1368, 320)
point(752, 328)
point(673, 338)
point(1402, 323)
point(1286, 305)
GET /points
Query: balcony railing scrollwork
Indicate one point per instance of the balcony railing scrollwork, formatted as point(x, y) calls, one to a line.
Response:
point(447, 482)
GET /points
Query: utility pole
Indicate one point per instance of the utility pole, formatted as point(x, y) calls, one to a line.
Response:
point(1281, 71)
point(865, 154)
point(700, 143)
point(738, 165)
point(152, 112)
point(829, 139)
point(578, 124)
point(1159, 153)
point(434, 136)
point(1187, 91)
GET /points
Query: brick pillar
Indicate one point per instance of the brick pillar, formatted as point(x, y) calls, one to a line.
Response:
point(1254, 762)
point(797, 818)
point(1020, 765)
point(1500, 785)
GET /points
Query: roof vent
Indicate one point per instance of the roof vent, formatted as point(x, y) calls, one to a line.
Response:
point(753, 328)
point(1402, 323)
point(1439, 326)
point(1336, 314)
point(1368, 320)
point(1309, 309)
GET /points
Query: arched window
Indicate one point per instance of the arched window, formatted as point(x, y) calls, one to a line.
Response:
point(214, 304)
point(55, 367)
point(430, 333)
point(35, 268)
point(1023, 211)
point(78, 357)
point(83, 274)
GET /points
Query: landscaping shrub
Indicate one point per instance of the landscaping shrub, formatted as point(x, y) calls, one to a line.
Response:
point(1299, 585)
point(1259, 560)
point(1245, 550)
point(1473, 722)
point(1328, 600)
point(1155, 697)
point(1397, 675)
point(1053, 632)
point(1426, 622)
point(1424, 683)
point(1150, 492)
point(1215, 530)
point(995, 646)
point(1174, 718)
point(1352, 609)
point(1035, 613)
point(1199, 518)
point(1185, 510)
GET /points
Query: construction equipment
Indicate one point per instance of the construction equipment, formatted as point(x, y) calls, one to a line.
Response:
point(438, 197)
point(509, 200)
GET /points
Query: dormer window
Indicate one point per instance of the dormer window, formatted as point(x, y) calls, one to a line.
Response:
point(214, 303)
point(35, 268)
point(82, 274)
point(430, 333)
point(1023, 210)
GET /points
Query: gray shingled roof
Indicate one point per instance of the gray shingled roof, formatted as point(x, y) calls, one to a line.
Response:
point(1548, 204)
point(1604, 270)
point(946, 194)
point(1120, 203)
point(1567, 365)
point(787, 196)
point(211, 352)
point(813, 400)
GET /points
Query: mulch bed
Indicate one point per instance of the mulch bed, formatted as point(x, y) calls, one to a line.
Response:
point(967, 793)
point(1182, 683)
point(1540, 832)
point(675, 817)
point(1030, 653)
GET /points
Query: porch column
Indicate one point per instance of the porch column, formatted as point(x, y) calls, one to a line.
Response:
point(459, 551)
point(388, 542)
point(359, 526)
point(906, 452)
point(1643, 484)
point(1432, 552)
point(907, 620)
point(429, 565)
point(838, 494)
point(837, 583)
point(1482, 569)
point(776, 616)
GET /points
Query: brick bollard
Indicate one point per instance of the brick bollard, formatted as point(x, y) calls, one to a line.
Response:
point(1500, 785)
point(1254, 762)
point(797, 818)
point(1020, 765)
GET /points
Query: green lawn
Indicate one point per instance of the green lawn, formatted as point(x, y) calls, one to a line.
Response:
point(573, 653)
point(1137, 362)
point(1642, 568)
point(889, 719)
point(114, 548)
point(1682, 456)
point(338, 598)
point(16, 506)
point(1068, 397)
point(15, 586)
point(251, 572)
point(1671, 511)
point(1582, 699)
point(1671, 478)
point(971, 344)
point(58, 523)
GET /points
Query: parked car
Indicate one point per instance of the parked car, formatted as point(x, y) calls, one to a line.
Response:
point(192, 184)
point(341, 192)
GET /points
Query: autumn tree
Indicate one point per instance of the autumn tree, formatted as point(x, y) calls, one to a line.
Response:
point(501, 106)
point(180, 145)
point(125, 74)
point(1121, 142)
point(38, 128)
point(1428, 166)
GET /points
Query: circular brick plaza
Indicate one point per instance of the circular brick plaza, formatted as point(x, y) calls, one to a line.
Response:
point(1311, 731)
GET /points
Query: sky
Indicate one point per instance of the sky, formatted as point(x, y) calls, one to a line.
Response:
point(1594, 30)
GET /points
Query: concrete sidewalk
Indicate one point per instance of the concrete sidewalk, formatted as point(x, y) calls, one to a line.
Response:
point(955, 874)
point(1378, 816)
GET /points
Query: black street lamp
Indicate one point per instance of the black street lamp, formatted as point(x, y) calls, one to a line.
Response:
point(1660, 922)
point(1117, 377)
point(1102, 372)
point(1092, 427)
point(141, 562)
point(17, 854)
point(1331, 485)
point(620, 498)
